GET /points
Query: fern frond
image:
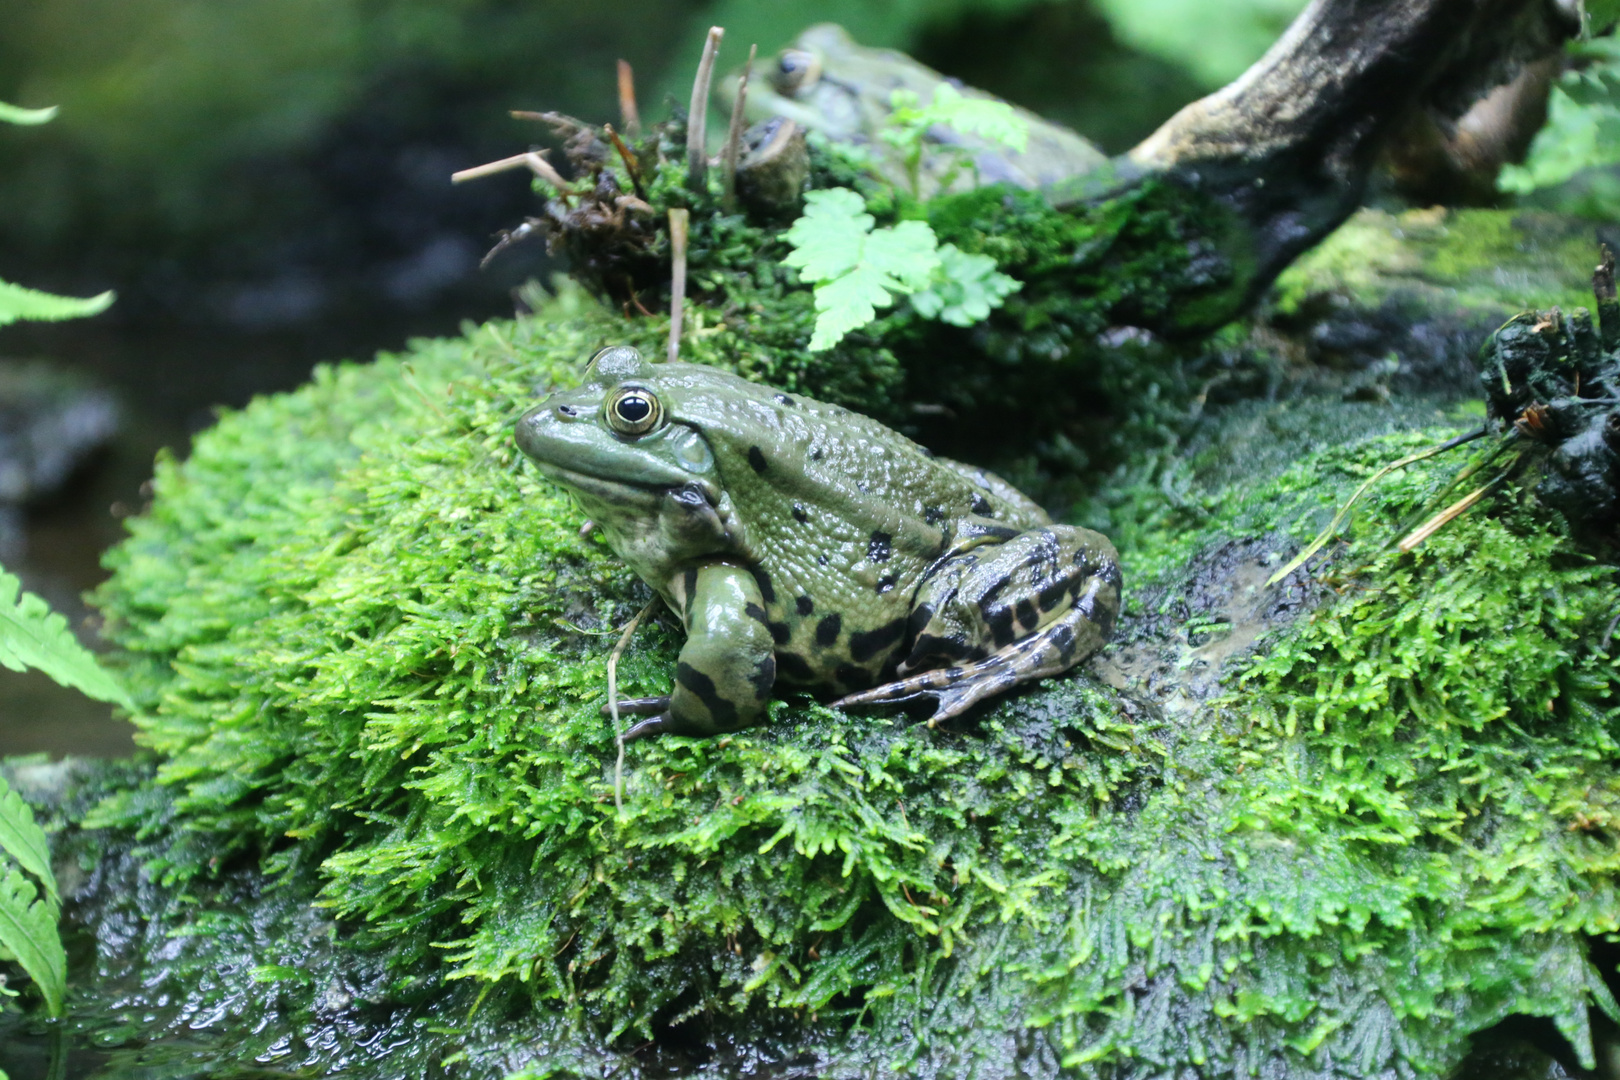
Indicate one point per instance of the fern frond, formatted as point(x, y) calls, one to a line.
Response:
point(28, 932)
point(23, 839)
point(17, 302)
point(34, 636)
point(16, 114)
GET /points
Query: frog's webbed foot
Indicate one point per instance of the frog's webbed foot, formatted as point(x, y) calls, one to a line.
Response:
point(956, 689)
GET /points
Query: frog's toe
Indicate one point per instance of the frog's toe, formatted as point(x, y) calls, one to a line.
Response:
point(954, 689)
point(638, 706)
point(653, 725)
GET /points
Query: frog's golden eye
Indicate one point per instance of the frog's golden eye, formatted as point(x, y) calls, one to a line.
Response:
point(796, 70)
point(633, 410)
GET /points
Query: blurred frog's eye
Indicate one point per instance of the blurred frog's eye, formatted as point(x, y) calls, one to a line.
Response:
point(796, 70)
point(633, 410)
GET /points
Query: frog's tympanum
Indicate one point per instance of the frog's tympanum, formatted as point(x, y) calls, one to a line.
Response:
point(805, 545)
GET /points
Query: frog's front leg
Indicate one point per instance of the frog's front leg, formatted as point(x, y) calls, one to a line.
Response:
point(727, 666)
point(997, 615)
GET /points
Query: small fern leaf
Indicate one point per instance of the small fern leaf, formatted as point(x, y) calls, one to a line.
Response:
point(17, 303)
point(34, 636)
point(28, 932)
point(16, 114)
point(23, 839)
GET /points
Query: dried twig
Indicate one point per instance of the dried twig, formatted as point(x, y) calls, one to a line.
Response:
point(734, 134)
point(697, 117)
point(532, 160)
point(613, 702)
point(678, 220)
point(629, 161)
point(629, 115)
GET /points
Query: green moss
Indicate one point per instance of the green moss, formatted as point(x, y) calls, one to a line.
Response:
point(368, 643)
point(1460, 259)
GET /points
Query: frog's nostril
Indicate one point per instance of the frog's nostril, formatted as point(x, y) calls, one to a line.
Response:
point(568, 411)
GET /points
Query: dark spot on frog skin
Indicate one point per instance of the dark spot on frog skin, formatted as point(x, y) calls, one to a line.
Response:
point(1025, 612)
point(853, 677)
point(880, 547)
point(755, 612)
point(862, 647)
point(804, 605)
point(800, 515)
point(783, 399)
point(795, 667)
point(885, 583)
point(780, 633)
point(764, 677)
point(1049, 597)
point(815, 455)
point(827, 629)
point(763, 580)
point(756, 458)
point(933, 515)
point(1000, 624)
point(723, 712)
point(972, 530)
point(821, 560)
point(981, 505)
point(1063, 641)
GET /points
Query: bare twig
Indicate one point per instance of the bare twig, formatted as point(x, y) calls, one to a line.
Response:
point(697, 117)
point(533, 161)
point(516, 161)
point(734, 134)
point(678, 220)
point(629, 115)
point(613, 702)
point(629, 161)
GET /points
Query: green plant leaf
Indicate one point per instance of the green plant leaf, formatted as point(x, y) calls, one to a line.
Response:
point(23, 839)
point(28, 932)
point(17, 302)
point(15, 114)
point(855, 269)
point(963, 289)
point(34, 636)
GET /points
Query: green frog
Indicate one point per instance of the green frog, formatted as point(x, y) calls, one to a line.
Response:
point(827, 83)
point(806, 546)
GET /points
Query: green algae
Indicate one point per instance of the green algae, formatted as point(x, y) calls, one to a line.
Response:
point(368, 646)
point(1463, 259)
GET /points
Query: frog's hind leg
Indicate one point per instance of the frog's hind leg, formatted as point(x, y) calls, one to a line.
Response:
point(1025, 609)
point(1050, 651)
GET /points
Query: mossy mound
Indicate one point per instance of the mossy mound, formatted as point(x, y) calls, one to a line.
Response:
point(369, 644)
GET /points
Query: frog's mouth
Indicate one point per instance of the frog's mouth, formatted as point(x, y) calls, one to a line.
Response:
point(615, 491)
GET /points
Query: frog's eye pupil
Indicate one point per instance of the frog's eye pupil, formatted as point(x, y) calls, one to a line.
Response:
point(633, 412)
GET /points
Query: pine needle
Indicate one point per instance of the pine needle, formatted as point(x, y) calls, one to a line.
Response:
point(1436, 523)
point(1344, 511)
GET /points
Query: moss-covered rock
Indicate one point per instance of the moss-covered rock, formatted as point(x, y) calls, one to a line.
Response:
point(1336, 826)
point(1416, 293)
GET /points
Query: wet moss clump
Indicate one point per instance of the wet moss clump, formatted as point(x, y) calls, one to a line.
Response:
point(368, 643)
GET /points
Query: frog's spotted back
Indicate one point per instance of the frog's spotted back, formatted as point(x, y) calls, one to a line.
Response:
point(805, 543)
